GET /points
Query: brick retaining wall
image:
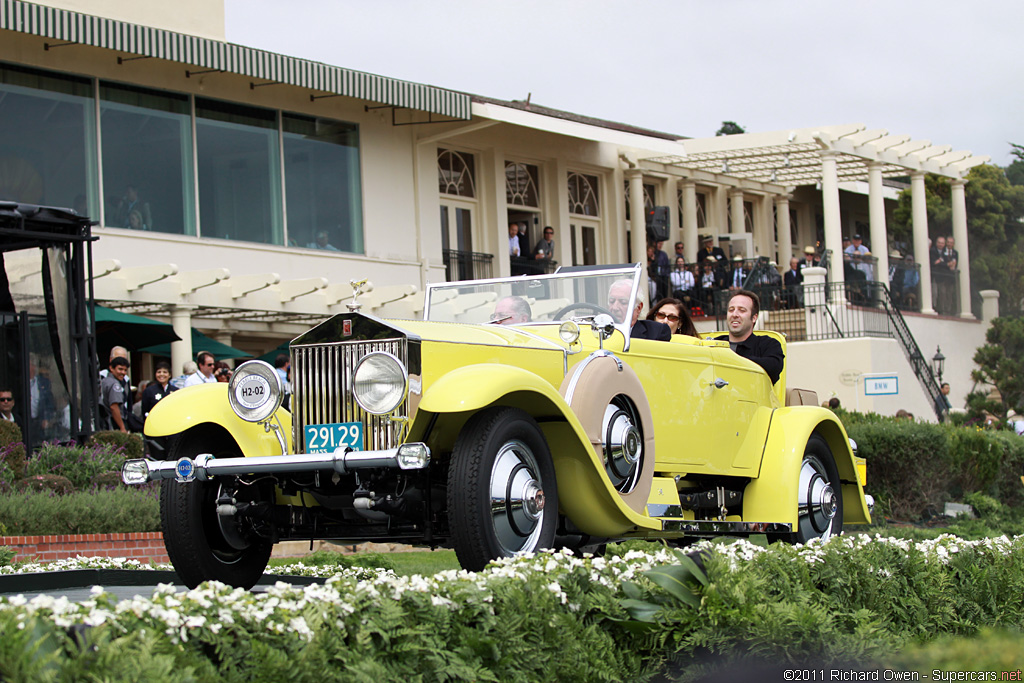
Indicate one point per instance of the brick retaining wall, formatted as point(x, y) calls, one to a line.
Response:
point(139, 546)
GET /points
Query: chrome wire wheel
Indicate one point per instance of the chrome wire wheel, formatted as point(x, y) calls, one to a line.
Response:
point(623, 444)
point(819, 494)
point(818, 501)
point(517, 498)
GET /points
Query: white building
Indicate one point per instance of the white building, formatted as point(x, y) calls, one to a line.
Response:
point(239, 192)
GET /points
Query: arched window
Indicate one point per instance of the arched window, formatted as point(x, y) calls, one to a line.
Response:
point(583, 195)
point(521, 184)
point(455, 173)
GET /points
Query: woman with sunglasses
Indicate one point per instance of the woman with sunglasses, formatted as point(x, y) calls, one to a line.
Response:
point(673, 313)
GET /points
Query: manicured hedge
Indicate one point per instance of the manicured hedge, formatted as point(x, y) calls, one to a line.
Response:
point(914, 467)
point(101, 511)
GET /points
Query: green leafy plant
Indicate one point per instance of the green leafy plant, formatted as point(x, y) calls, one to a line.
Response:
point(130, 443)
point(77, 463)
point(102, 511)
point(12, 450)
point(45, 483)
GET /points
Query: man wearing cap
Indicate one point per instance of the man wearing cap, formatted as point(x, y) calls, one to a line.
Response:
point(708, 249)
point(857, 252)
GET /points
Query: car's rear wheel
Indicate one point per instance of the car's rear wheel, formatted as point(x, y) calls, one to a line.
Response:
point(502, 497)
point(202, 544)
point(819, 494)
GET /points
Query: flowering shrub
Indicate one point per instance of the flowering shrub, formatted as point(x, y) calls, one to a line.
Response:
point(77, 463)
point(551, 616)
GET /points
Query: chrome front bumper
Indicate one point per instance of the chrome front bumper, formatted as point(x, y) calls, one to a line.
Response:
point(410, 456)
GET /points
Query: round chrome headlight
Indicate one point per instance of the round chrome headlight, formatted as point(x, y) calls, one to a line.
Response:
point(379, 383)
point(255, 391)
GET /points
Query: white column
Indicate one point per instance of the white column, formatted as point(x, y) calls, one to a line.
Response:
point(876, 212)
point(226, 337)
point(690, 245)
point(830, 202)
point(181, 351)
point(638, 229)
point(919, 212)
point(989, 304)
point(960, 235)
point(736, 213)
point(785, 231)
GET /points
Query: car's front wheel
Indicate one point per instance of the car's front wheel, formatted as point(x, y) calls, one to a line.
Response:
point(202, 543)
point(502, 497)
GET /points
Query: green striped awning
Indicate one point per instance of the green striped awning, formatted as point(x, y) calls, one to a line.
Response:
point(73, 27)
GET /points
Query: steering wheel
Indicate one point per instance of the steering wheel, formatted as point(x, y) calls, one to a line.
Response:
point(581, 305)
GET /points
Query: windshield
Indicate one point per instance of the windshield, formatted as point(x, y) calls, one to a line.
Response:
point(539, 299)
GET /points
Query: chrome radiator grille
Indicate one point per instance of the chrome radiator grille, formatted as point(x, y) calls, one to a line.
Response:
point(322, 390)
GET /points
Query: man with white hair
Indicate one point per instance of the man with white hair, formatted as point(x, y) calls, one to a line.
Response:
point(618, 304)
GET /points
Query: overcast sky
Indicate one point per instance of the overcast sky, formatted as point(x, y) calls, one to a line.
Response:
point(936, 70)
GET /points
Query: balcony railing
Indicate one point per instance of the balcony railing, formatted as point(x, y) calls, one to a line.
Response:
point(466, 265)
point(521, 265)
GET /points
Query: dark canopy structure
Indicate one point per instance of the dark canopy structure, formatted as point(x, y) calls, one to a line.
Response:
point(49, 348)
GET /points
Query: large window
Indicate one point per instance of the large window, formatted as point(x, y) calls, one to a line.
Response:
point(47, 140)
point(239, 172)
point(244, 161)
point(321, 169)
point(147, 160)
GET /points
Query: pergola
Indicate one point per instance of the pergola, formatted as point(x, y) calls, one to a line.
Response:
point(827, 156)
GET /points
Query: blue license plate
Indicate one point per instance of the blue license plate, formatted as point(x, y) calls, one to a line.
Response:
point(327, 438)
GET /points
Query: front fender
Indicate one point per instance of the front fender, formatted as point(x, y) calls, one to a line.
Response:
point(772, 496)
point(585, 494)
point(208, 404)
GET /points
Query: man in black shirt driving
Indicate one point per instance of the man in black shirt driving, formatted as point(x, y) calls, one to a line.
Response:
point(741, 315)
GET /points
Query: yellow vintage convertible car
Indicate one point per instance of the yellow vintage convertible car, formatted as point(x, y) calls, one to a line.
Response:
point(518, 415)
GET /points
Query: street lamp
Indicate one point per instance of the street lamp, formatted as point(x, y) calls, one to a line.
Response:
point(938, 363)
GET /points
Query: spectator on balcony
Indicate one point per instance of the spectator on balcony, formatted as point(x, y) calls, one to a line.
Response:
point(793, 280)
point(951, 254)
point(936, 252)
point(738, 274)
point(911, 282)
point(680, 251)
point(708, 249)
point(810, 259)
point(545, 249)
point(857, 253)
point(682, 280)
point(132, 202)
point(711, 280)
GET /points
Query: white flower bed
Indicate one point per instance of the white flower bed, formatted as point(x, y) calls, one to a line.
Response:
point(287, 609)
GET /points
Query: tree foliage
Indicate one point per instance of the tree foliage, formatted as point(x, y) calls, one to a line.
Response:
point(995, 229)
point(730, 128)
point(1001, 365)
point(1015, 171)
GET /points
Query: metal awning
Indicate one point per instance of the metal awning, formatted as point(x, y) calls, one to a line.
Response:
point(794, 157)
point(84, 29)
